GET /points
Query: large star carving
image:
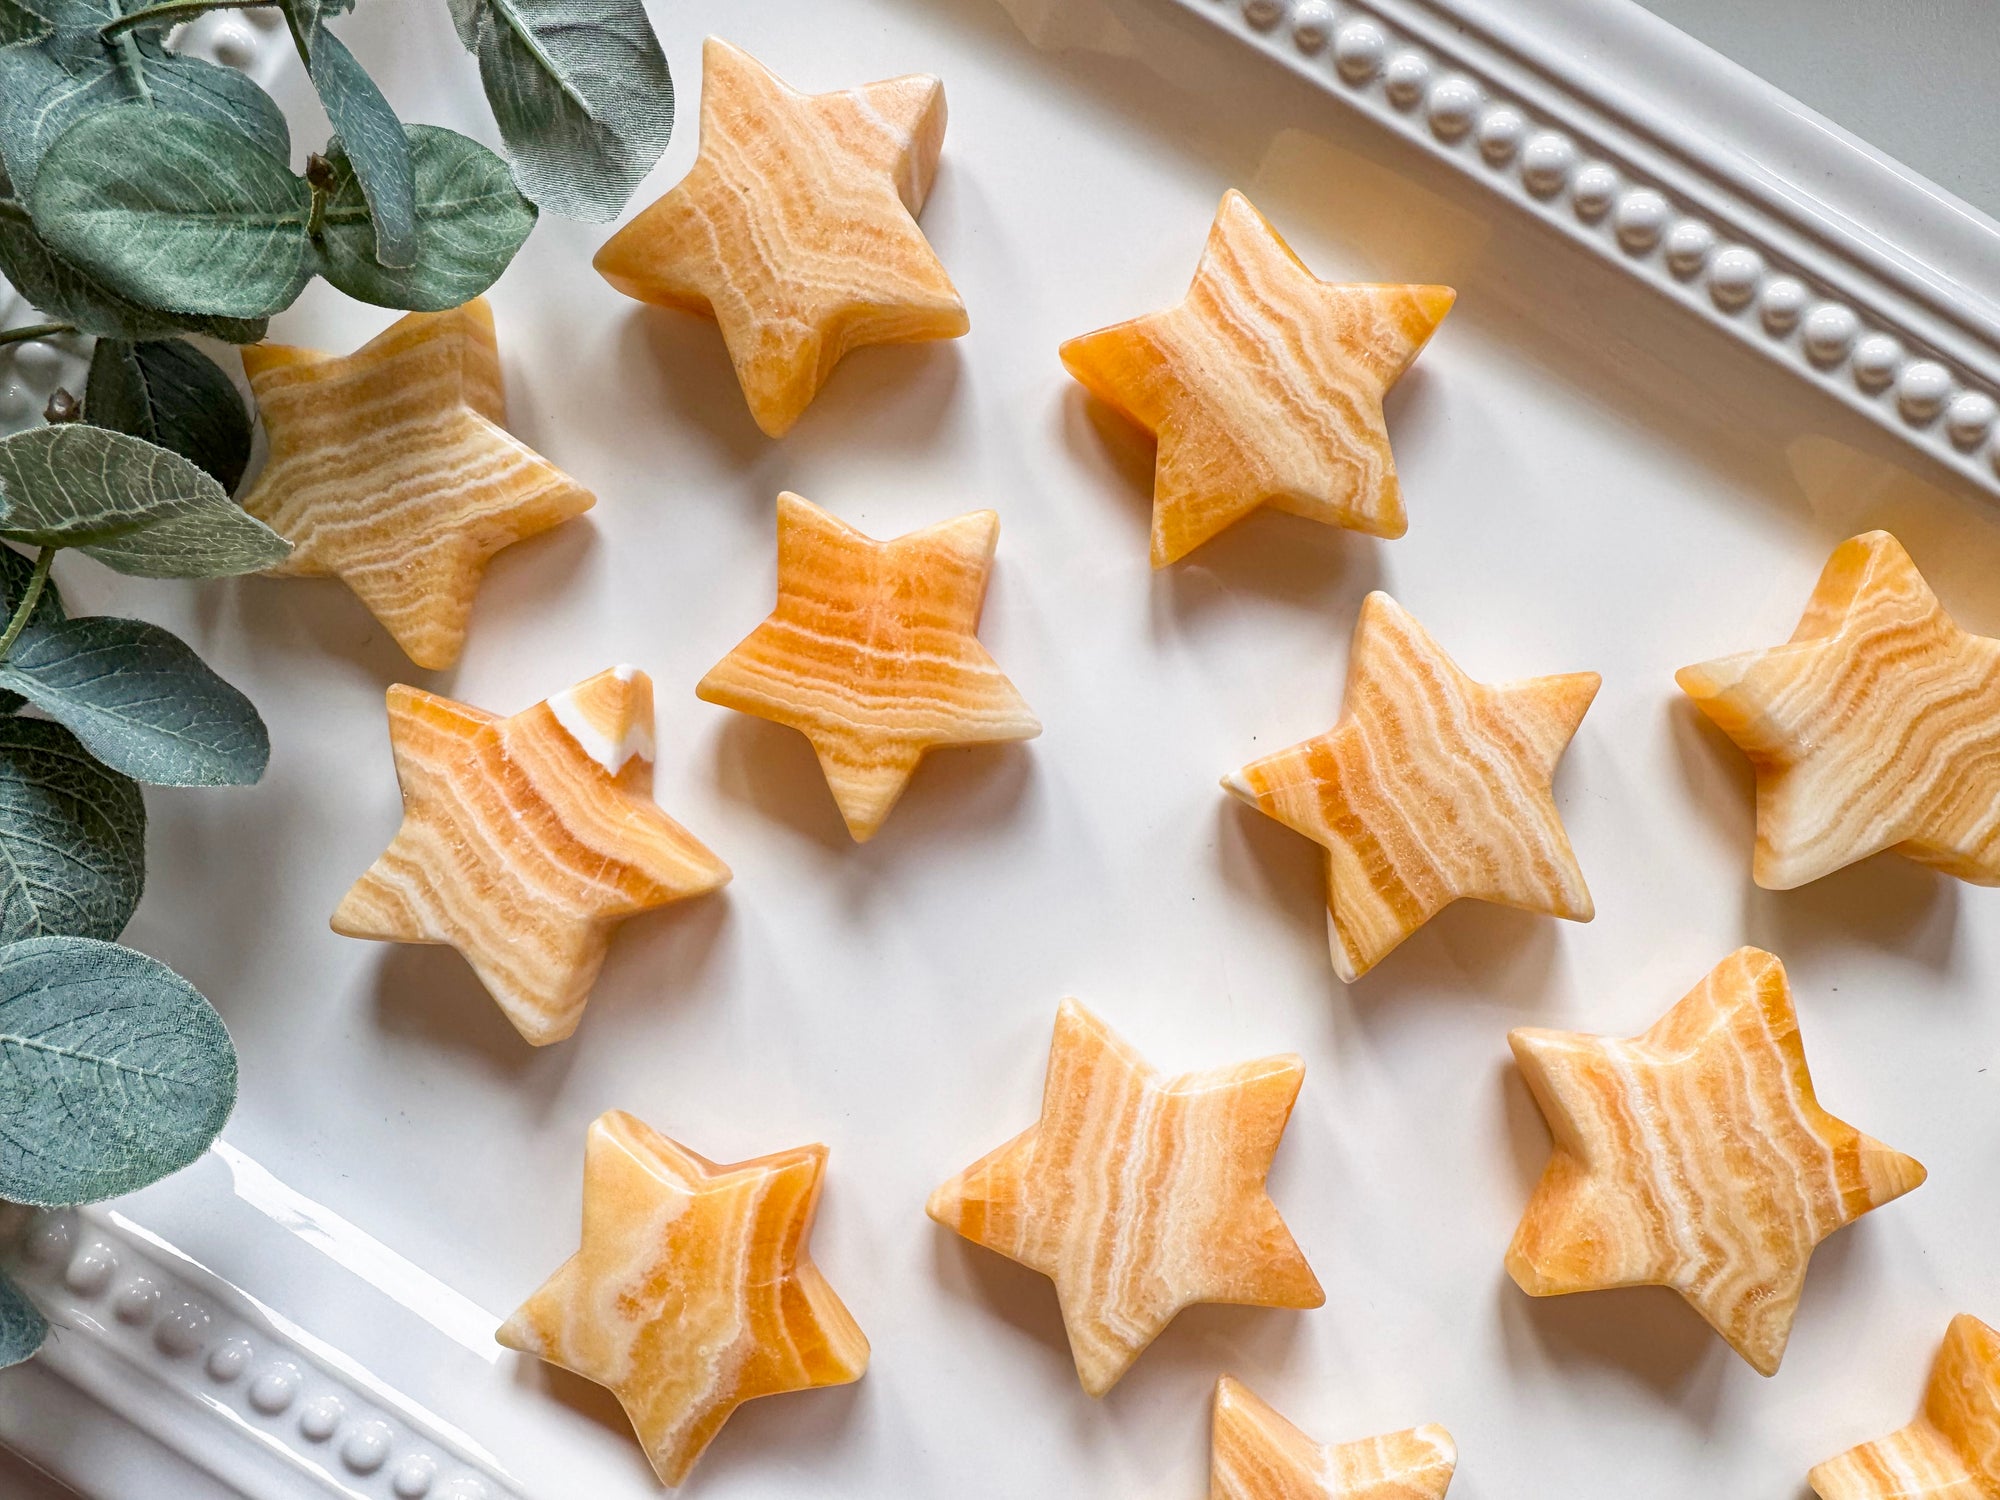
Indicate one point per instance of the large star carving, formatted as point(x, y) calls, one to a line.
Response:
point(1258, 1455)
point(871, 653)
point(1263, 387)
point(1952, 1450)
point(1138, 1195)
point(526, 840)
point(1432, 788)
point(390, 469)
point(1696, 1157)
point(1877, 726)
point(694, 1290)
point(796, 228)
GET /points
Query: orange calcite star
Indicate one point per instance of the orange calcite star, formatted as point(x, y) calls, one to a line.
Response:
point(526, 840)
point(1952, 1450)
point(1877, 726)
point(1696, 1157)
point(1264, 387)
point(694, 1290)
point(796, 228)
point(1430, 789)
point(391, 469)
point(871, 653)
point(1138, 1195)
point(1258, 1455)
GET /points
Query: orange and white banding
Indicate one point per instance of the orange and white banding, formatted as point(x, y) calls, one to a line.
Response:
point(1952, 1450)
point(1258, 1455)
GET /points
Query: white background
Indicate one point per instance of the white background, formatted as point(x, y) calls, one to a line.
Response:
point(1594, 481)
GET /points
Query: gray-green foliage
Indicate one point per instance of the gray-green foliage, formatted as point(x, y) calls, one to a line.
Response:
point(114, 1071)
point(22, 1328)
point(72, 836)
point(130, 504)
point(581, 92)
point(168, 392)
point(367, 131)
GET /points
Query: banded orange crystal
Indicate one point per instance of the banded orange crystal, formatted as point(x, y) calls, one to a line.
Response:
point(1257, 1455)
point(1952, 1450)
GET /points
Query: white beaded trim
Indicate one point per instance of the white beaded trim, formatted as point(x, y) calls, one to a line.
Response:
point(1355, 52)
point(104, 1289)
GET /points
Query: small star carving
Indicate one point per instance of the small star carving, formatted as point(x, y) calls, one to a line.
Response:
point(694, 1290)
point(1952, 1450)
point(1138, 1195)
point(1263, 387)
point(1258, 1455)
point(796, 228)
point(390, 470)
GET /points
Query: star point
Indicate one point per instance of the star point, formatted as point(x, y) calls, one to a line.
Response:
point(1432, 788)
point(796, 228)
point(525, 840)
point(1258, 1455)
point(1138, 1195)
point(1877, 726)
point(694, 1289)
point(872, 654)
point(1952, 1450)
point(1263, 386)
point(390, 469)
point(1696, 1156)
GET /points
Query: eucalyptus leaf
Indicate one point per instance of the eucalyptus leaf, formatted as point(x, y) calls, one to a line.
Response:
point(72, 295)
point(470, 221)
point(72, 837)
point(195, 219)
point(20, 24)
point(170, 393)
point(22, 1327)
point(581, 92)
point(70, 73)
point(372, 140)
point(131, 504)
point(15, 572)
point(114, 1071)
point(141, 701)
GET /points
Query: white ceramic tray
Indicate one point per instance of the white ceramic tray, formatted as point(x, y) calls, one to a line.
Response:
point(1598, 476)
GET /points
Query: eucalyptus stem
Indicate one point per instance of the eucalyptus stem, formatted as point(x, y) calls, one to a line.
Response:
point(36, 582)
point(28, 331)
point(170, 12)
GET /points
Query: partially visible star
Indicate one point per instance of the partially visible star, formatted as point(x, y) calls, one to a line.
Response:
point(1696, 1157)
point(1432, 788)
point(1258, 1455)
point(390, 469)
point(694, 1290)
point(872, 654)
point(796, 228)
point(1877, 726)
point(1952, 1450)
point(526, 840)
point(1264, 386)
point(1138, 1195)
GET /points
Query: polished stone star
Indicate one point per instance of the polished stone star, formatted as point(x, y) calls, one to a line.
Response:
point(1258, 1455)
point(390, 469)
point(1952, 1450)
point(1138, 1195)
point(1696, 1157)
point(526, 840)
point(694, 1290)
point(1432, 788)
point(1264, 387)
point(1877, 726)
point(871, 653)
point(796, 228)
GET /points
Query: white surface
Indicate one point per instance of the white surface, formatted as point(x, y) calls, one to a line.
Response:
point(1594, 480)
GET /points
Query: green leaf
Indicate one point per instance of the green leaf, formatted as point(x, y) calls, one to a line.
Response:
point(132, 505)
point(170, 393)
point(21, 24)
point(582, 94)
point(141, 701)
point(372, 138)
point(194, 219)
point(69, 73)
point(470, 221)
point(15, 571)
point(114, 1071)
point(22, 1327)
point(72, 837)
point(72, 295)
